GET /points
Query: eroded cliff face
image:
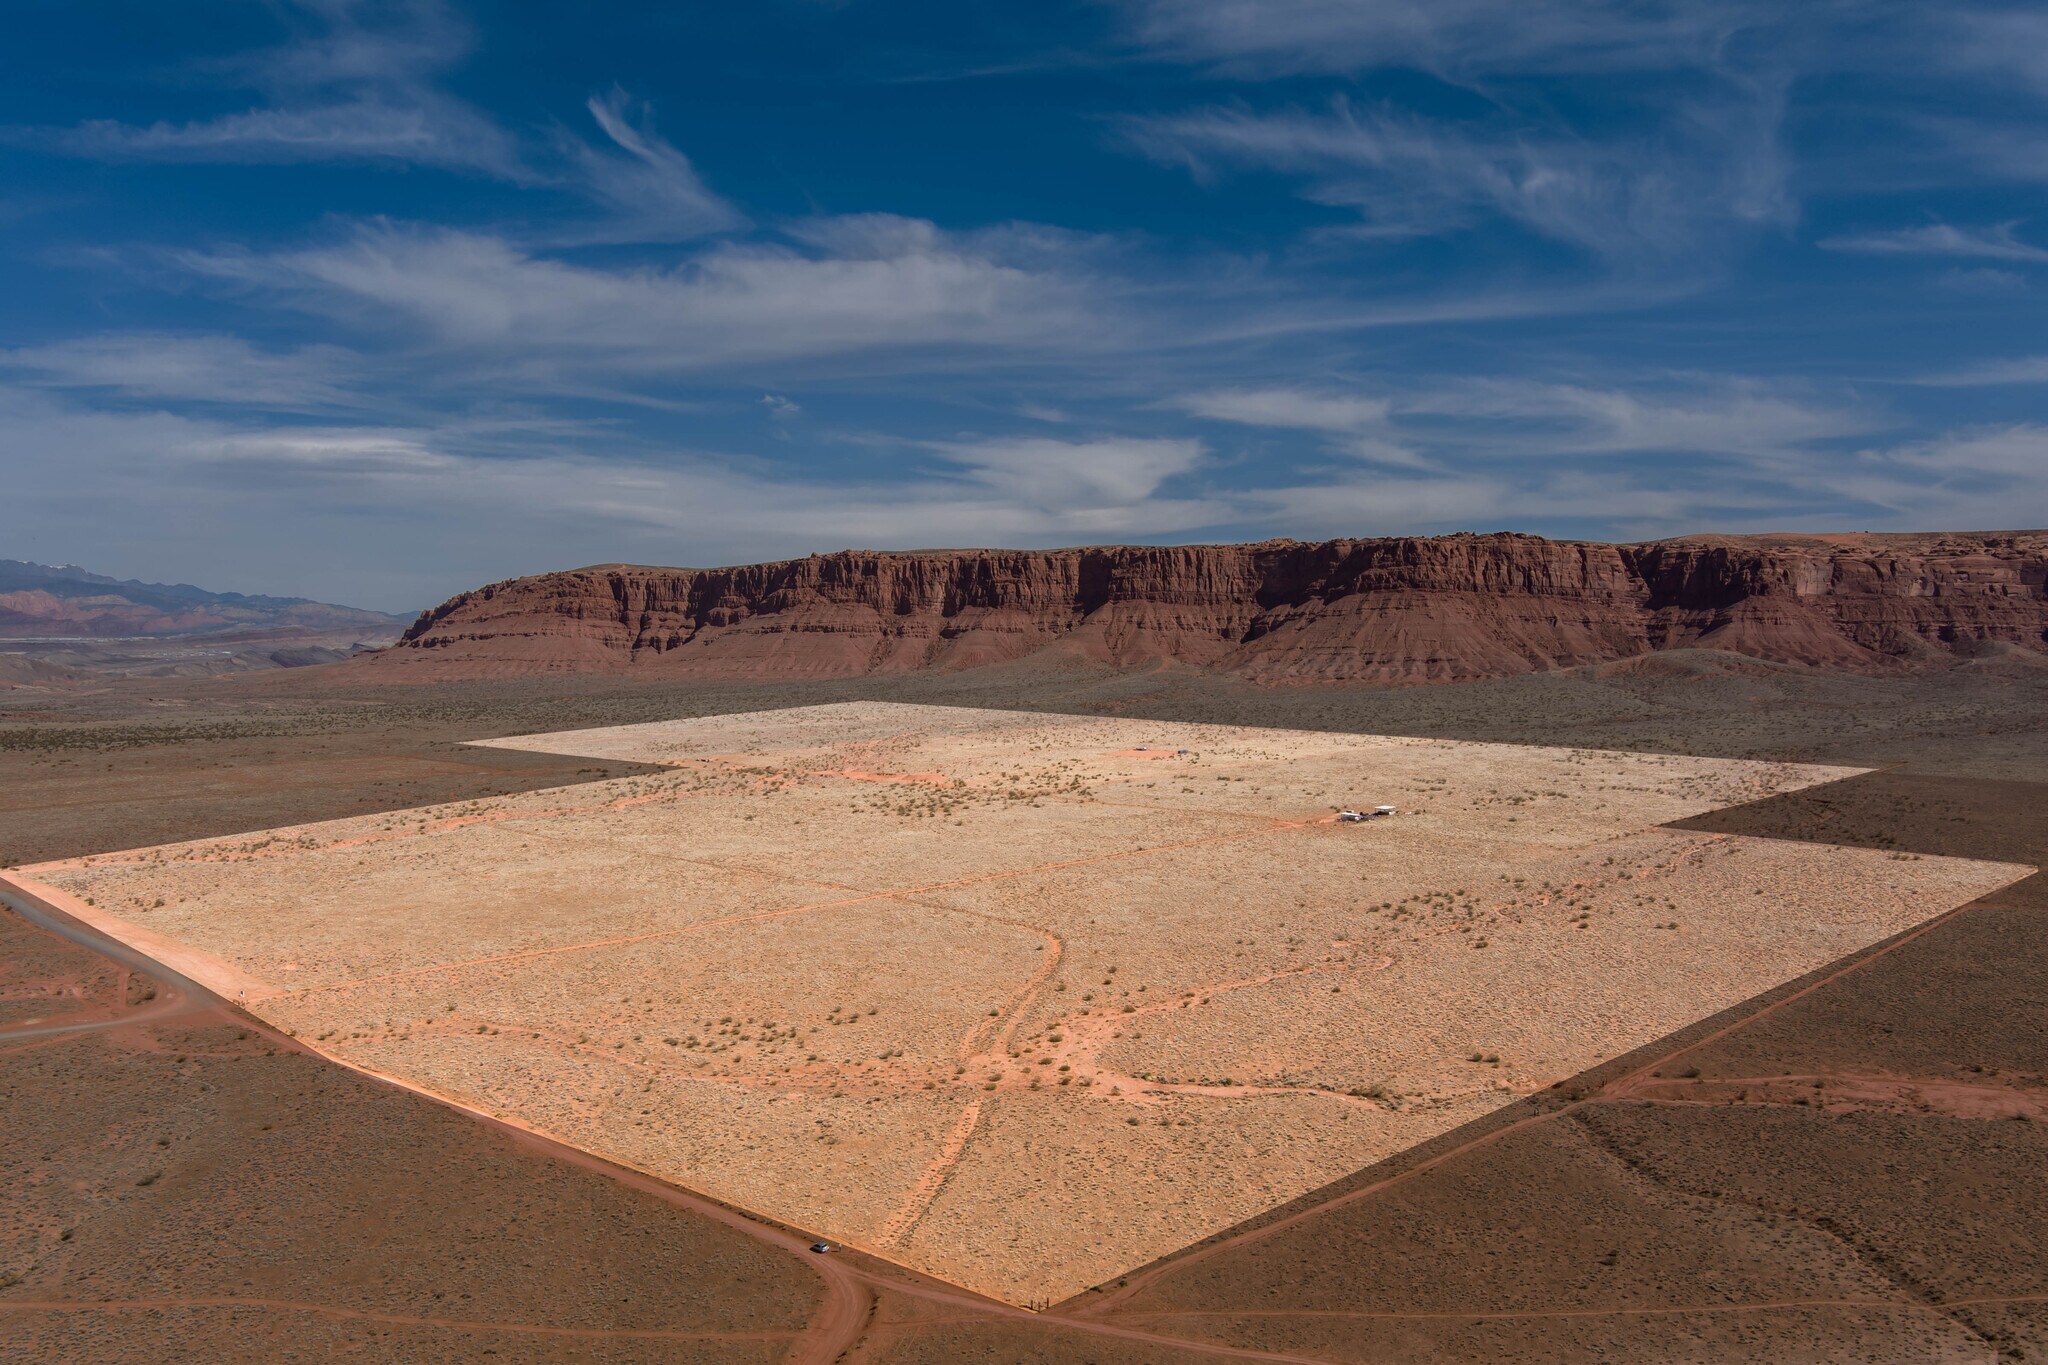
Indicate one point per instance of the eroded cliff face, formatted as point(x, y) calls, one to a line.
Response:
point(1388, 610)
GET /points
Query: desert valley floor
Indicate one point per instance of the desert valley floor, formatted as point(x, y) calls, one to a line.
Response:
point(1022, 1001)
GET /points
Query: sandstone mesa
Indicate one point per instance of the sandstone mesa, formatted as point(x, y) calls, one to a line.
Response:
point(1395, 610)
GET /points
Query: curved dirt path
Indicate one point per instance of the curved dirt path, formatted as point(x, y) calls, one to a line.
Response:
point(165, 1006)
point(177, 995)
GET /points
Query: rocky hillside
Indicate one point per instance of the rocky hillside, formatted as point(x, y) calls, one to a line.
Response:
point(1402, 610)
point(61, 601)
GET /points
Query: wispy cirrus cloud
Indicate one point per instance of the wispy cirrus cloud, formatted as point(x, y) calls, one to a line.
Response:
point(652, 190)
point(427, 132)
point(1092, 485)
point(1731, 417)
point(1656, 455)
point(1979, 478)
point(2032, 369)
point(1449, 422)
point(1998, 242)
point(1407, 504)
point(872, 286)
point(2007, 39)
point(1703, 89)
point(1712, 167)
point(192, 367)
point(1992, 477)
point(1289, 408)
point(1451, 37)
point(356, 82)
point(1478, 42)
point(340, 454)
point(1357, 425)
point(361, 80)
point(2014, 452)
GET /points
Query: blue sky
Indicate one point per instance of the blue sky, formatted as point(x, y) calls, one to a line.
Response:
point(377, 301)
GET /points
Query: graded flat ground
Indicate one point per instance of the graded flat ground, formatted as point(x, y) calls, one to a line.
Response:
point(1020, 1000)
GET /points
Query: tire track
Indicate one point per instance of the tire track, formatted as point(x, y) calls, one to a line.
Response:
point(919, 1201)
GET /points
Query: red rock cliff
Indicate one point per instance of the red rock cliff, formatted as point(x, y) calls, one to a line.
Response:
point(1387, 610)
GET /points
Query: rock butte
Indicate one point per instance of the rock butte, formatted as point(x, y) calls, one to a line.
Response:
point(1400, 610)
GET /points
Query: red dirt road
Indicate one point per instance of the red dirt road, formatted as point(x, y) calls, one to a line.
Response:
point(176, 995)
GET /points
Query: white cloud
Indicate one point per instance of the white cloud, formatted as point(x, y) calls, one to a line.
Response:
point(1088, 478)
point(346, 453)
point(1402, 504)
point(1995, 243)
point(1298, 409)
point(652, 190)
point(1436, 423)
point(358, 86)
point(1478, 42)
point(363, 85)
point(194, 367)
point(360, 40)
point(1362, 423)
point(908, 288)
point(2012, 41)
point(426, 131)
point(1710, 168)
point(1450, 37)
point(1705, 80)
point(2018, 452)
point(1981, 479)
point(2031, 369)
point(1708, 415)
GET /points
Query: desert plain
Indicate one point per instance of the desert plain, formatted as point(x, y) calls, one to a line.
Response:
point(1020, 1001)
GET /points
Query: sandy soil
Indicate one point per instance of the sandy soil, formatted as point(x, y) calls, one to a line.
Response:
point(1006, 997)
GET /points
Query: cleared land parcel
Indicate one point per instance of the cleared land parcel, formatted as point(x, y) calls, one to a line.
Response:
point(1019, 1000)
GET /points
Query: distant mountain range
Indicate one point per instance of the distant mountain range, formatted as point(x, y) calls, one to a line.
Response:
point(61, 601)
